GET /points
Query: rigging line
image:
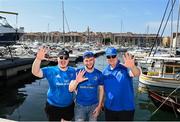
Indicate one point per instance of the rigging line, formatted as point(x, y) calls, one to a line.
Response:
point(67, 26)
point(165, 100)
point(67, 22)
point(177, 30)
point(165, 24)
point(160, 27)
point(174, 109)
point(168, 18)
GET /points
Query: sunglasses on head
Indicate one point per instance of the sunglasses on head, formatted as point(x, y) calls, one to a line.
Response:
point(113, 56)
point(63, 57)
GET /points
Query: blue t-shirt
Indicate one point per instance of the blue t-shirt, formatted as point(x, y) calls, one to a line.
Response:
point(58, 93)
point(87, 91)
point(118, 86)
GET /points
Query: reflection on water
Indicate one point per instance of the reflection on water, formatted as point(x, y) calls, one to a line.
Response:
point(147, 104)
point(10, 100)
point(26, 102)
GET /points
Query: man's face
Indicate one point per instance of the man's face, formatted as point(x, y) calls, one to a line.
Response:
point(63, 61)
point(112, 60)
point(89, 62)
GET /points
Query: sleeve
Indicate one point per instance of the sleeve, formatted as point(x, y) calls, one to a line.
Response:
point(101, 79)
point(45, 71)
point(74, 74)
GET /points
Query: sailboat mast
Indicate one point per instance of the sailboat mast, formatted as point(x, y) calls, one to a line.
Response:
point(63, 20)
point(171, 40)
point(175, 43)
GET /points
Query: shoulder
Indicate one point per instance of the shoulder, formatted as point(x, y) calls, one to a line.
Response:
point(78, 69)
point(122, 67)
point(105, 69)
point(97, 71)
point(71, 69)
point(50, 68)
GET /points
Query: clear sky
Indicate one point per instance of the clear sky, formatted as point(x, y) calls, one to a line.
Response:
point(137, 16)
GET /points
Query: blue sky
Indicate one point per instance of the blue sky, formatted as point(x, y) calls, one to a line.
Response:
point(100, 15)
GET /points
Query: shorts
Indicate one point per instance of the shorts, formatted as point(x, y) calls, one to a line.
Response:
point(55, 113)
point(119, 115)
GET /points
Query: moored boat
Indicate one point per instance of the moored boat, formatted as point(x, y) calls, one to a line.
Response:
point(164, 72)
point(165, 103)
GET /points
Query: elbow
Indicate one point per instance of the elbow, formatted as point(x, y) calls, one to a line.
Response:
point(33, 72)
point(137, 74)
point(71, 89)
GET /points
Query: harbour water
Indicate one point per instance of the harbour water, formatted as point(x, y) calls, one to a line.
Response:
point(26, 102)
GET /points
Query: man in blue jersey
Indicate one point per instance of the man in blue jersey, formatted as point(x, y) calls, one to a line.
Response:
point(60, 103)
point(88, 105)
point(118, 86)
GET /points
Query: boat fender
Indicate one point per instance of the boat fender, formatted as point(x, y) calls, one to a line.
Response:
point(178, 76)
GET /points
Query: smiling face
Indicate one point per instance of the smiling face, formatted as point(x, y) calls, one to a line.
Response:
point(63, 61)
point(89, 62)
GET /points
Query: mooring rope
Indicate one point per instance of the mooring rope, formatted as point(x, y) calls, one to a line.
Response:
point(165, 100)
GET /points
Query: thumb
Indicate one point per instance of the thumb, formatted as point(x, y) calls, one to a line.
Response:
point(85, 79)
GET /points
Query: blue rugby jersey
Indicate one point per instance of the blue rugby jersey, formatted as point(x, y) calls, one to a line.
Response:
point(58, 93)
point(87, 91)
point(118, 86)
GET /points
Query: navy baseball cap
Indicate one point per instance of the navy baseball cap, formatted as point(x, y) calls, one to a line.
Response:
point(63, 53)
point(111, 51)
point(88, 54)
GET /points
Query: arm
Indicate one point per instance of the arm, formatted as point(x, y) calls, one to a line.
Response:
point(135, 71)
point(101, 95)
point(37, 63)
point(101, 99)
point(79, 78)
point(73, 85)
point(36, 68)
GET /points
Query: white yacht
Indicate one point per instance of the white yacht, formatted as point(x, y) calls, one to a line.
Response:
point(8, 34)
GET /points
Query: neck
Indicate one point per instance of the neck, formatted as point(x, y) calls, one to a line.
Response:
point(63, 68)
point(89, 70)
point(113, 65)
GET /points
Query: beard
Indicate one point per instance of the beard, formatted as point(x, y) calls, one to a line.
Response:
point(62, 67)
point(90, 68)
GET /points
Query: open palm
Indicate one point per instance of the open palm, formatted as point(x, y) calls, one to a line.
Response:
point(128, 60)
point(41, 53)
point(80, 76)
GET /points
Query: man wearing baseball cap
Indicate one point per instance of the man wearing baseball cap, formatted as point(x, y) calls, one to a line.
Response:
point(88, 84)
point(60, 102)
point(118, 86)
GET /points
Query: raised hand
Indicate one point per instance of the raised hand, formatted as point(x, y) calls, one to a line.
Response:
point(80, 76)
point(41, 53)
point(128, 60)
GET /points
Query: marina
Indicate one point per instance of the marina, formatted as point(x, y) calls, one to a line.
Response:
point(33, 91)
point(157, 89)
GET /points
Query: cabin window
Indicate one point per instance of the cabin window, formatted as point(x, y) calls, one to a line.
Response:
point(169, 69)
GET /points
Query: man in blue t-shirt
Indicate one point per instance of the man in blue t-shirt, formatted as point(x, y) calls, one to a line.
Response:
point(88, 85)
point(60, 103)
point(118, 86)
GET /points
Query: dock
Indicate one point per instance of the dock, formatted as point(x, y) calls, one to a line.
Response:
point(11, 67)
point(6, 120)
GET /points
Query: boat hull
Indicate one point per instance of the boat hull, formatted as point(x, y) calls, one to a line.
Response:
point(168, 104)
point(159, 81)
point(9, 38)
